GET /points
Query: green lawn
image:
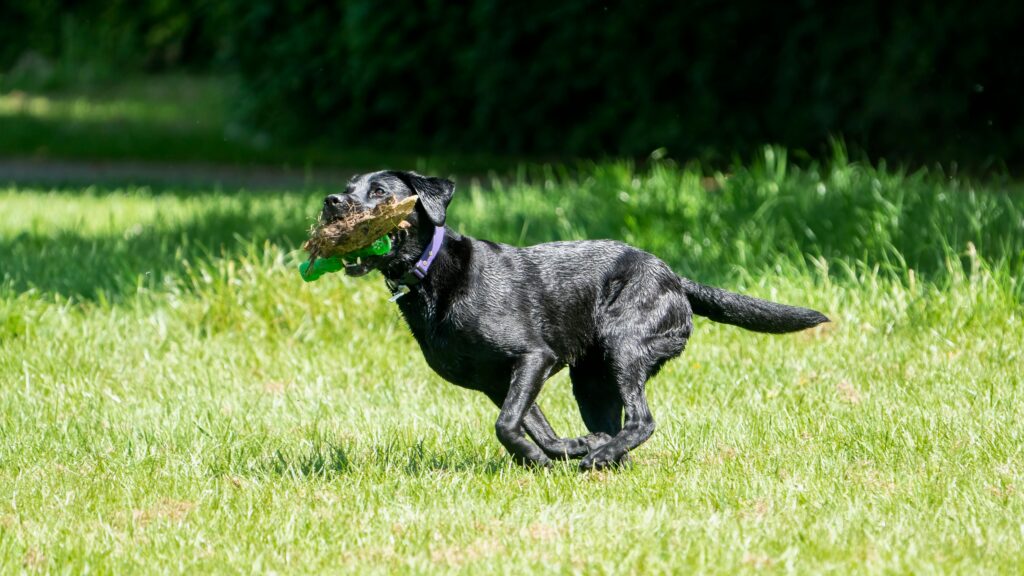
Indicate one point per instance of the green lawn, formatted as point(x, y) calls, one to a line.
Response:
point(174, 398)
point(181, 118)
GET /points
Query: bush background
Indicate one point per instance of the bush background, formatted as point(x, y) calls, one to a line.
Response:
point(910, 82)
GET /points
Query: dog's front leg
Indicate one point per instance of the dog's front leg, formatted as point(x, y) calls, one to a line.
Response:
point(528, 376)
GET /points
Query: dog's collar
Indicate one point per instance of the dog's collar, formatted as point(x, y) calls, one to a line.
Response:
point(422, 267)
point(423, 264)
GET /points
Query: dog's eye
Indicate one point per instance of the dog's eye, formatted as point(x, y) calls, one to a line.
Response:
point(377, 192)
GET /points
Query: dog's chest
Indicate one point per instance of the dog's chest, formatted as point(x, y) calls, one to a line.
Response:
point(466, 360)
point(462, 354)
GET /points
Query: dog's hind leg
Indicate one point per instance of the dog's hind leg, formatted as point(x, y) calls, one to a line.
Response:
point(543, 435)
point(641, 332)
point(597, 395)
point(638, 427)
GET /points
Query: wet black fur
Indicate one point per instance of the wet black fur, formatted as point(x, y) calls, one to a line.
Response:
point(502, 320)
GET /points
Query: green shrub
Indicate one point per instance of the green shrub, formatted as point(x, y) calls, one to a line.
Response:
point(49, 42)
point(932, 82)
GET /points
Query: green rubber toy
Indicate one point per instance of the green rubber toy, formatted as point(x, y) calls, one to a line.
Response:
point(321, 266)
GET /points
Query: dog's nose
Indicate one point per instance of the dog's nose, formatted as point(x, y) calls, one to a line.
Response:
point(338, 205)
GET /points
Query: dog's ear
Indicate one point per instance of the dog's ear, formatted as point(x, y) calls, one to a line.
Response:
point(434, 194)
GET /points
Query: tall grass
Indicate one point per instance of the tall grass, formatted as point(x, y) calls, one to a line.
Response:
point(722, 228)
point(756, 214)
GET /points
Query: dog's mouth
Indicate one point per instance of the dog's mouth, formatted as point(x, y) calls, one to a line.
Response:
point(361, 266)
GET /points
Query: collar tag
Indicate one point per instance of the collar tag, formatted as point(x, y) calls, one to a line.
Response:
point(400, 290)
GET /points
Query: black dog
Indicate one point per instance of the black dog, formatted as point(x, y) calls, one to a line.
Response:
point(501, 319)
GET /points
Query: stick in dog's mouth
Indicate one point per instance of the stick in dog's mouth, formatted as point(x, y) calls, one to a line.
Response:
point(354, 232)
point(360, 261)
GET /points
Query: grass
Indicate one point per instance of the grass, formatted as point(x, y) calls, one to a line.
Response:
point(175, 399)
point(179, 118)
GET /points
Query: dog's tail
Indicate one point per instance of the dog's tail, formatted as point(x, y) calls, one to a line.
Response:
point(746, 312)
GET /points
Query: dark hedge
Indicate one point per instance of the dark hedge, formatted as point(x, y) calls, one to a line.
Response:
point(106, 39)
point(905, 80)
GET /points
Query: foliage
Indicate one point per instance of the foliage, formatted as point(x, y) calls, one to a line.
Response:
point(48, 43)
point(916, 83)
point(906, 81)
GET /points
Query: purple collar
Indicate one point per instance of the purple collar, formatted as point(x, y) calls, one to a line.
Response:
point(433, 249)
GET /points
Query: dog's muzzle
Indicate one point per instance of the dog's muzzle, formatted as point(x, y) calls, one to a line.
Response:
point(337, 206)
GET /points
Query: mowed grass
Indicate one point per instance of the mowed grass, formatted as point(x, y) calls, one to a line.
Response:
point(180, 118)
point(175, 399)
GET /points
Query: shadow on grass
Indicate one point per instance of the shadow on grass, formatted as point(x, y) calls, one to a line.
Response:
point(328, 459)
point(318, 461)
point(114, 265)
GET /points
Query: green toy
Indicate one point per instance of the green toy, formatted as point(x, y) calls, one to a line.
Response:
point(317, 267)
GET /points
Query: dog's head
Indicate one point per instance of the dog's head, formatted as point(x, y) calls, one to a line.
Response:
point(366, 191)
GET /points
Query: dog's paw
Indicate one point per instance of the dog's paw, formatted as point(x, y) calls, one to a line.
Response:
point(596, 440)
point(542, 464)
point(602, 460)
point(538, 462)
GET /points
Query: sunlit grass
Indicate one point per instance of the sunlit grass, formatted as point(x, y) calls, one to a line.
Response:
point(182, 118)
point(83, 110)
point(176, 399)
point(174, 100)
